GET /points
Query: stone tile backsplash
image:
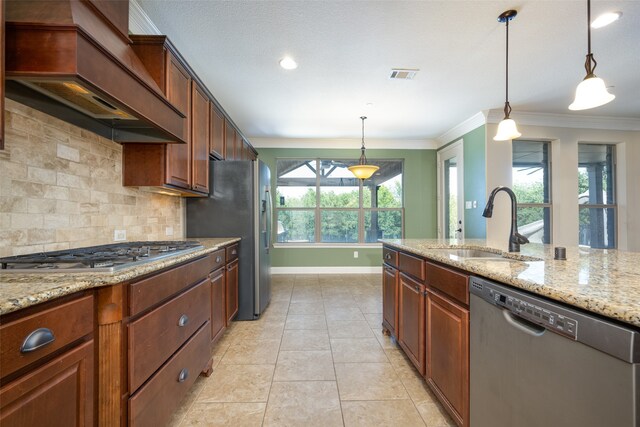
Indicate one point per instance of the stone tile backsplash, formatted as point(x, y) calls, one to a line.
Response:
point(61, 187)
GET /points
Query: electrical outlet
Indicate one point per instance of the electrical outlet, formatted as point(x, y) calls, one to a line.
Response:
point(355, 254)
point(475, 204)
point(119, 235)
point(168, 231)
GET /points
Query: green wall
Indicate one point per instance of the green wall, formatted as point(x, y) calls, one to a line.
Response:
point(474, 181)
point(419, 205)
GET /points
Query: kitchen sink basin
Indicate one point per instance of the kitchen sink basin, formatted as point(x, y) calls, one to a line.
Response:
point(469, 253)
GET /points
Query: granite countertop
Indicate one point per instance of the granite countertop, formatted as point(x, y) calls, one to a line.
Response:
point(606, 282)
point(21, 290)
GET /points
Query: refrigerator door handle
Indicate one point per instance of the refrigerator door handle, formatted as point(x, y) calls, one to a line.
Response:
point(268, 219)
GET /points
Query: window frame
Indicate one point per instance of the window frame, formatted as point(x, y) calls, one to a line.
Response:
point(614, 183)
point(548, 204)
point(318, 208)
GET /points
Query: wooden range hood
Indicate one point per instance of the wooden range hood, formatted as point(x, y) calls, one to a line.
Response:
point(72, 59)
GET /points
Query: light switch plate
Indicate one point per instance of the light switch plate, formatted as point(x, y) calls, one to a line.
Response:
point(467, 204)
point(119, 235)
point(355, 254)
point(168, 231)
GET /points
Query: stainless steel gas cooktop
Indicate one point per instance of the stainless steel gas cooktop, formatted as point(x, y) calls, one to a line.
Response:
point(104, 258)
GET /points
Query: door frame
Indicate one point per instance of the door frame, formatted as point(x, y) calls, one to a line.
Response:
point(456, 149)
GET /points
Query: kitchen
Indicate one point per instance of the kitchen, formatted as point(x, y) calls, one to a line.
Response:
point(332, 345)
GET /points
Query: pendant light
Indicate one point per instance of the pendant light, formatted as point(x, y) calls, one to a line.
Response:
point(591, 92)
point(362, 170)
point(507, 128)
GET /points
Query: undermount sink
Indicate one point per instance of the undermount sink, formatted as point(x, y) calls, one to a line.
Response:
point(470, 253)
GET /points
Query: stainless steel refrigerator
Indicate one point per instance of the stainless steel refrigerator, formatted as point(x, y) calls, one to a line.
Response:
point(239, 204)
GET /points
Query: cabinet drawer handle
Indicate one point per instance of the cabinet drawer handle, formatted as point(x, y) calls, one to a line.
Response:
point(218, 259)
point(387, 256)
point(37, 339)
point(417, 288)
point(183, 320)
point(184, 374)
point(233, 252)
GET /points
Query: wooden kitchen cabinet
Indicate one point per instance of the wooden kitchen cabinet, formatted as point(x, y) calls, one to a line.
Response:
point(216, 133)
point(447, 373)
point(231, 297)
point(230, 137)
point(390, 277)
point(200, 128)
point(411, 320)
point(178, 91)
point(218, 304)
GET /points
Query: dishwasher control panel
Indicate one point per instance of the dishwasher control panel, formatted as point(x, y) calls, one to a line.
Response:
point(536, 313)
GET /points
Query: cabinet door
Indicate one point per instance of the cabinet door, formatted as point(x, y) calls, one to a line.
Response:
point(390, 299)
point(448, 354)
point(232, 290)
point(411, 318)
point(179, 94)
point(230, 141)
point(216, 133)
point(60, 393)
point(218, 304)
point(200, 138)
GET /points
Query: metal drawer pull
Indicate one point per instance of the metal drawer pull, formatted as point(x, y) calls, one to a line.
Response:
point(218, 259)
point(184, 374)
point(387, 256)
point(36, 339)
point(233, 252)
point(184, 319)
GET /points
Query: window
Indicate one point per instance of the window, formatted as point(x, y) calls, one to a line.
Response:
point(320, 201)
point(531, 174)
point(596, 195)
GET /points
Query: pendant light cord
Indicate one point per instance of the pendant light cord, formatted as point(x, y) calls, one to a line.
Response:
point(507, 107)
point(363, 158)
point(590, 63)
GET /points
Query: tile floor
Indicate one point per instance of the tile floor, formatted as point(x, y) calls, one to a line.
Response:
point(316, 357)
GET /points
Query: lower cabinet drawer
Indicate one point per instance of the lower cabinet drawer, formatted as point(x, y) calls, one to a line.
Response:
point(158, 334)
point(155, 402)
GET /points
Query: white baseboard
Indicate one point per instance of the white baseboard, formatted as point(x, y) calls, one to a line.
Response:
point(326, 270)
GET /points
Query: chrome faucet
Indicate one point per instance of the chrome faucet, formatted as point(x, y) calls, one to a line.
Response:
point(515, 239)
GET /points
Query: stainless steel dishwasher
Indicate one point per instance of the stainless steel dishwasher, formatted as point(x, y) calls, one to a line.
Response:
point(535, 362)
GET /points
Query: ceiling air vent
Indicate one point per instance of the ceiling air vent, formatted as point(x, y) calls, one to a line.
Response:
point(403, 73)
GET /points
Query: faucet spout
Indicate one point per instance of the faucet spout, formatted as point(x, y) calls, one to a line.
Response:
point(515, 239)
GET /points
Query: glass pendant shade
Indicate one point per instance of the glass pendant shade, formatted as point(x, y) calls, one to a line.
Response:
point(591, 93)
point(363, 171)
point(507, 130)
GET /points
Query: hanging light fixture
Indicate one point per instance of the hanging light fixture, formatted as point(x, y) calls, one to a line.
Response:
point(591, 92)
point(507, 128)
point(362, 170)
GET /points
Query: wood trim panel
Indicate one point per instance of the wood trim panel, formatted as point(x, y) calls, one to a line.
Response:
point(411, 321)
point(218, 304)
point(231, 287)
point(200, 128)
point(448, 281)
point(390, 299)
point(216, 133)
point(411, 265)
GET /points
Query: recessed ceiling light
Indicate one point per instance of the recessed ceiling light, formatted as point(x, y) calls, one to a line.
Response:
point(288, 63)
point(605, 19)
point(369, 104)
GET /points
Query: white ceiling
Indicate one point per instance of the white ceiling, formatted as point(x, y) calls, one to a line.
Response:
point(346, 49)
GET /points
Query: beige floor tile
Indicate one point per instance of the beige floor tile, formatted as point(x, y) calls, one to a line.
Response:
point(306, 308)
point(385, 341)
point(415, 385)
point(252, 352)
point(353, 350)
point(371, 307)
point(336, 301)
point(369, 381)
point(374, 320)
point(303, 403)
point(343, 313)
point(300, 339)
point(434, 414)
point(225, 414)
point(306, 321)
point(238, 383)
point(387, 413)
point(187, 402)
point(304, 366)
point(349, 329)
point(265, 329)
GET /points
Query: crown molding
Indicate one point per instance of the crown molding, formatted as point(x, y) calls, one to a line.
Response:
point(387, 144)
point(461, 129)
point(139, 21)
point(567, 120)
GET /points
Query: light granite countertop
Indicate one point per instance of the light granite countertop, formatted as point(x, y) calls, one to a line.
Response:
point(606, 282)
point(21, 290)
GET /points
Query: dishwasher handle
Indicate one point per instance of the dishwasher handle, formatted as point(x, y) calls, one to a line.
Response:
point(522, 324)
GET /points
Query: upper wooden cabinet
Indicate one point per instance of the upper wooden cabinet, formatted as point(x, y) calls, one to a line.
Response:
point(199, 138)
point(178, 91)
point(230, 138)
point(216, 133)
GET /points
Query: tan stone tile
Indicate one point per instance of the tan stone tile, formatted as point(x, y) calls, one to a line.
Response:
point(43, 206)
point(306, 321)
point(26, 189)
point(66, 152)
point(383, 413)
point(306, 308)
point(187, 401)
point(369, 381)
point(374, 320)
point(252, 330)
point(353, 350)
point(238, 383)
point(304, 366)
point(343, 313)
point(45, 176)
point(22, 221)
point(386, 341)
point(252, 352)
point(300, 339)
point(336, 301)
point(303, 403)
point(13, 204)
point(434, 414)
point(349, 329)
point(225, 414)
point(56, 192)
